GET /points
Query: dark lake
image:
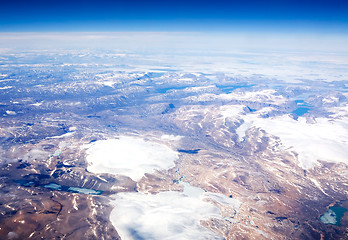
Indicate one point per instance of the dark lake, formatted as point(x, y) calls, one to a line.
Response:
point(230, 88)
point(300, 111)
point(54, 186)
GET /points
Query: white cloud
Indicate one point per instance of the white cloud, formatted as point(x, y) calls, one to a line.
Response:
point(129, 156)
point(167, 215)
point(326, 139)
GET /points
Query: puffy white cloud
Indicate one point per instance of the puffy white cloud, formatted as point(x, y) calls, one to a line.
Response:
point(129, 156)
point(167, 215)
point(326, 139)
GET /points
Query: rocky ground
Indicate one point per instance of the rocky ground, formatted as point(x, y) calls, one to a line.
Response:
point(45, 133)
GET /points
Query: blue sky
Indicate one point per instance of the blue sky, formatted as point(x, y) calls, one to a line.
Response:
point(170, 15)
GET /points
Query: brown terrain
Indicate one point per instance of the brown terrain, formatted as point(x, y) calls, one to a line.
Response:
point(279, 199)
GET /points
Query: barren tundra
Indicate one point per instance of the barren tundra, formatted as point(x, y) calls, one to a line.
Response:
point(91, 149)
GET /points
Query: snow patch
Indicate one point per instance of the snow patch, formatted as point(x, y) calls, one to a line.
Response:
point(329, 217)
point(232, 111)
point(68, 134)
point(171, 137)
point(37, 104)
point(6, 87)
point(8, 112)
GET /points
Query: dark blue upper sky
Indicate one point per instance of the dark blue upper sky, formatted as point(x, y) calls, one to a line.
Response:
point(173, 15)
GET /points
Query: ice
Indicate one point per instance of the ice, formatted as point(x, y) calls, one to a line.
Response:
point(329, 217)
